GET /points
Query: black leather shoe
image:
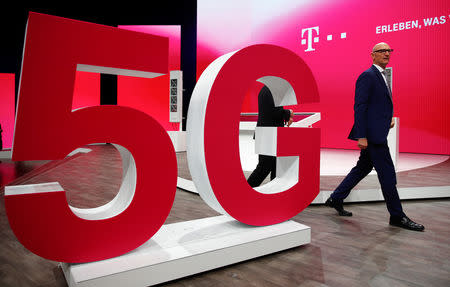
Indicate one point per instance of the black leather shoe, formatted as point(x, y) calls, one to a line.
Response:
point(405, 222)
point(338, 206)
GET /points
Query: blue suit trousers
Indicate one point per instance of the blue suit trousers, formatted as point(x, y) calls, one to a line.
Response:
point(374, 156)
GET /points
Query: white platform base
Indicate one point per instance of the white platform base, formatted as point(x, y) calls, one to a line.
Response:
point(187, 248)
point(335, 162)
point(362, 195)
point(186, 184)
point(178, 140)
point(5, 154)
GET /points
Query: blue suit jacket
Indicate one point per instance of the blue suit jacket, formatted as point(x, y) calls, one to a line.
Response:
point(373, 108)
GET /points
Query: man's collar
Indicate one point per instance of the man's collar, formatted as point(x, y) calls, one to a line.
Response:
point(379, 68)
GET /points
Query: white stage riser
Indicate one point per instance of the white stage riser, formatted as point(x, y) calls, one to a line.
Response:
point(365, 195)
point(213, 249)
point(362, 195)
point(5, 154)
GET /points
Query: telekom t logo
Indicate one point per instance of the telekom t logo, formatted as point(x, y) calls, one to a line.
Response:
point(309, 40)
point(311, 35)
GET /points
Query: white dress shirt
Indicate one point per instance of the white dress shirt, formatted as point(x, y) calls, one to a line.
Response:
point(382, 71)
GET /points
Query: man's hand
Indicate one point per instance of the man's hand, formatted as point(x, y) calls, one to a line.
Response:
point(362, 143)
point(392, 123)
point(291, 118)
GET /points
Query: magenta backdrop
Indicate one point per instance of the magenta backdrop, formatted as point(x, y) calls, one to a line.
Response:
point(7, 108)
point(417, 30)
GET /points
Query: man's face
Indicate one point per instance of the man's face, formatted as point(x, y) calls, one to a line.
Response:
point(381, 55)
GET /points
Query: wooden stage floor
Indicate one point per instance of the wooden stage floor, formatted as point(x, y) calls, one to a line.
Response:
point(362, 250)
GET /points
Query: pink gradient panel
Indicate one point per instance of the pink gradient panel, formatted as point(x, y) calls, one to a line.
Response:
point(7, 108)
point(152, 95)
point(86, 91)
point(173, 32)
point(418, 32)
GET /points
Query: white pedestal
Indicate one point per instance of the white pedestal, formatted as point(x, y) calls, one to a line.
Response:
point(393, 141)
point(5, 154)
point(187, 248)
point(375, 194)
point(186, 184)
point(178, 140)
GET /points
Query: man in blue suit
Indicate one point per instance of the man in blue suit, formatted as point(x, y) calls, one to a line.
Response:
point(372, 121)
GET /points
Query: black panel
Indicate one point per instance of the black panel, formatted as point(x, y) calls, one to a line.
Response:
point(108, 89)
